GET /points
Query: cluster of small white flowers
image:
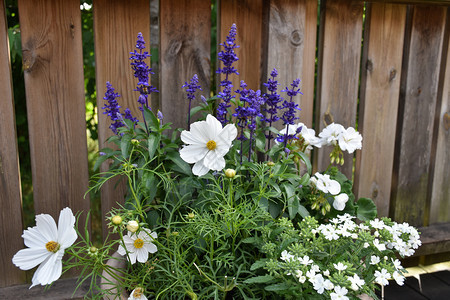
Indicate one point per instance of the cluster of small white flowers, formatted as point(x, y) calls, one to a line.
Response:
point(325, 184)
point(335, 134)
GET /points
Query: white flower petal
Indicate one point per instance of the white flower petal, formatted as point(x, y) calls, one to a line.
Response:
point(47, 227)
point(29, 258)
point(213, 161)
point(214, 127)
point(193, 153)
point(142, 255)
point(49, 271)
point(66, 231)
point(199, 168)
point(151, 248)
point(33, 238)
point(188, 138)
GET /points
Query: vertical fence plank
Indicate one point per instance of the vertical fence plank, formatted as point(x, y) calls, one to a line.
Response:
point(292, 48)
point(417, 107)
point(339, 59)
point(53, 70)
point(10, 194)
point(440, 196)
point(185, 28)
point(380, 88)
point(116, 26)
point(247, 15)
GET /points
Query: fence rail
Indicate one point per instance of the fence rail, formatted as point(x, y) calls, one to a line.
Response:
point(381, 65)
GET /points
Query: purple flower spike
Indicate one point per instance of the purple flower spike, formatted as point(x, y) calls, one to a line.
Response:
point(141, 72)
point(191, 88)
point(290, 107)
point(112, 109)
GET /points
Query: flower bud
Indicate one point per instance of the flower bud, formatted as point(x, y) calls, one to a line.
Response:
point(92, 251)
point(191, 215)
point(132, 226)
point(116, 220)
point(230, 173)
point(270, 163)
point(135, 142)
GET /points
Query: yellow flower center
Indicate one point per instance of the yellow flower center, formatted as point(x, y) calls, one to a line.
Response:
point(138, 243)
point(138, 292)
point(52, 246)
point(211, 145)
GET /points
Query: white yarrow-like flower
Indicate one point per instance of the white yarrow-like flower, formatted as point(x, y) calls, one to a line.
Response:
point(138, 245)
point(382, 277)
point(339, 293)
point(46, 244)
point(357, 282)
point(207, 143)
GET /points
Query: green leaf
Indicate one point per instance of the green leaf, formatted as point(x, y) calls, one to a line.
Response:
point(100, 160)
point(181, 165)
point(305, 159)
point(153, 143)
point(366, 209)
point(277, 287)
point(258, 264)
point(125, 145)
point(302, 211)
point(152, 120)
point(260, 279)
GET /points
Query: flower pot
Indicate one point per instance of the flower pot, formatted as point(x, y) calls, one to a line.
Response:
point(108, 283)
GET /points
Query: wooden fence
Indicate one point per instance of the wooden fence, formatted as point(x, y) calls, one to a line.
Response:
point(383, 65)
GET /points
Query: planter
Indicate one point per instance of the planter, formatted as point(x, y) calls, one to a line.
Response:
point(108, 282)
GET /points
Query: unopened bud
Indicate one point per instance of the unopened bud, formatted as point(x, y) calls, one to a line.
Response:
point(230, 173)
point(135, 142)
point(191, 215)
point(116, 220)
point(270, 163)
point(132, 226)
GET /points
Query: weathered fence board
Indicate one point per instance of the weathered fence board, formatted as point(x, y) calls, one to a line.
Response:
point(380, 88)
point(247, 15)
point(54, 84)
point(292, 48)
point(117, 25)
point(417, 108)
point(339, 58)
point(404, 83)
point(440, 197)
point(185, 28)
point(10, 196)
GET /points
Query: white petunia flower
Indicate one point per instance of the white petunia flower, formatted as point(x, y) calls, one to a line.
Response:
point(357, 282)
point(340, 201)
point(399, 278)
point(374, 260)
point(207, 145)
point(350, 140)
point(137, 294)
point(324, 183)
point(382, 277)
point(339, 293)
point(340, 266)
point(46, 244)
point(138, 245)
point(330, 134)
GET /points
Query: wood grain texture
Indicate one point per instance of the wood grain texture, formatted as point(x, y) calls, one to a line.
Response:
point(379, 94)
point(292, 49)
point(10, 192)
point(338, 70)
point(54, 85)
point(247, 15)
point(185, 42)
point(440, 195)
point(418, 99)
point(116, 26)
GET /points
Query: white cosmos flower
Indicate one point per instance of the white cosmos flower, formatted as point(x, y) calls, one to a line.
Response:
point(46, 244)
point(207, 143)
point(138, 245)
point(350, 140)
point(340, 201)
point(137, 294)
